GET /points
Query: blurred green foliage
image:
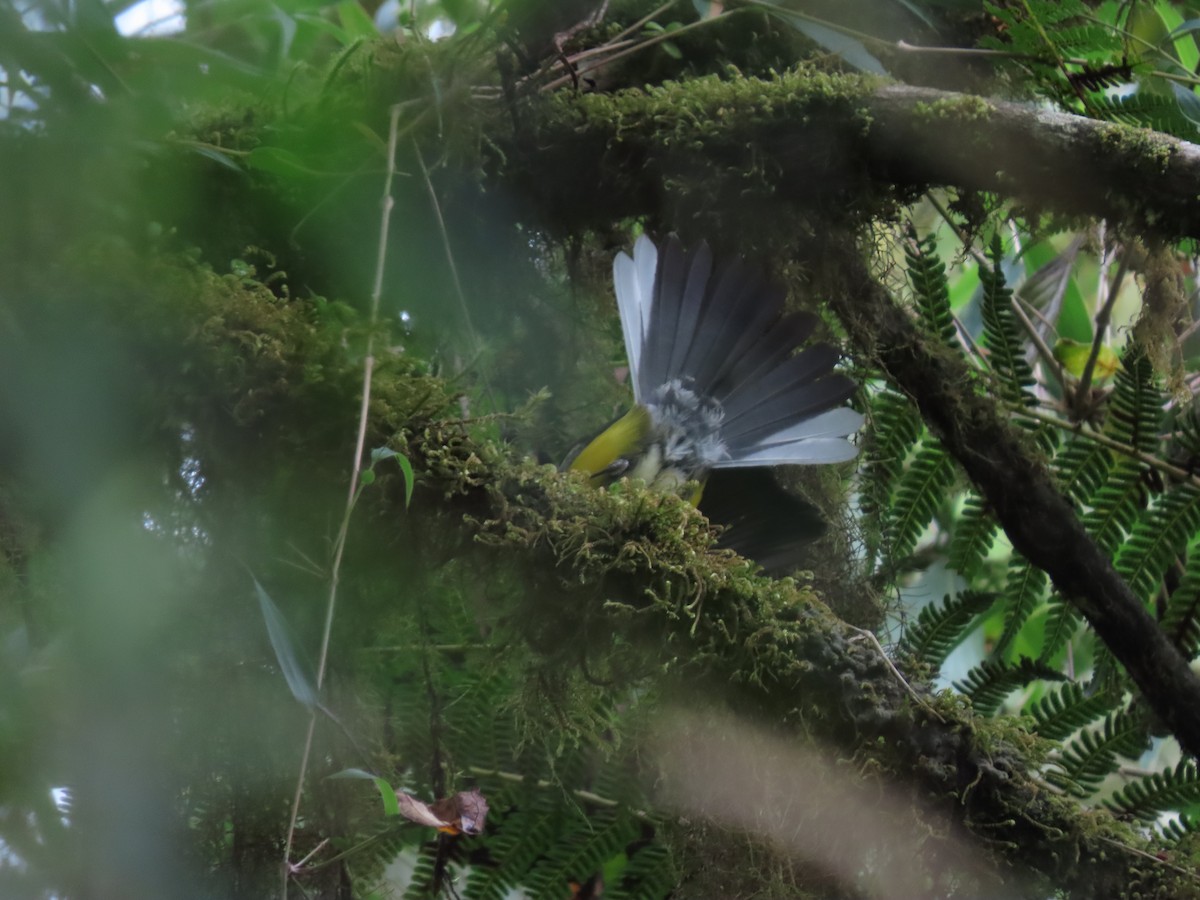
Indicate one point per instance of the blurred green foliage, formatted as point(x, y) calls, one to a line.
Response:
point(189, 234)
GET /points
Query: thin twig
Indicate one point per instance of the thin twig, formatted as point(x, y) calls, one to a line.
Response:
point(863, 633)
point(1102, 319)
point(386, 204)
point(585, 796)
point(642, 45)
point(1104, 440)
point(1188, 873)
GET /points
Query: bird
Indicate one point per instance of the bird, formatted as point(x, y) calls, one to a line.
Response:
point(720, 390)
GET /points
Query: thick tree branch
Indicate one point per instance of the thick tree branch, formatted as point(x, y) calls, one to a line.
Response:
point(844, 148)
point(1046, 159)
point(1035, 515)
point(633, 564)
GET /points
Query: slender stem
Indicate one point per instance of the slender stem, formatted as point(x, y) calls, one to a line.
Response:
point(641, 45)
point(386, 205)
point(1102, 319)
point(1104, 440)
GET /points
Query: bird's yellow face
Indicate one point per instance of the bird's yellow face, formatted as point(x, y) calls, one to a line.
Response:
point(627, 448)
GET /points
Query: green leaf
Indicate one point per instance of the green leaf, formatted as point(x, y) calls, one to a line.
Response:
point(406, 469)
point(216, 156)
point(1151, 795)
point(277, 161)
point(295, 671)
point(366, 476)
point(848, 48)
point(387, 793)
point(355, 21)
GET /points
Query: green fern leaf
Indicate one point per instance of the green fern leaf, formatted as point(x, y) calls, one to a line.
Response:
point(895, 428)
point(1060, 713)
point(1081, 467)
point(920, 491)
point(579, 855)
point(1158, 539)
point(1062, 620)
point(927, 275)
point(1002, 336)
point(650, 873)
point(941, 628)
point(973, 537)
point(1117, 505)
point(1177, 829)
point(1153, 794)
point(1092, 755)
point(1135, 408)
point(1024, 590)
point(1144, 109)
point(1181, 621)
point(990, 682)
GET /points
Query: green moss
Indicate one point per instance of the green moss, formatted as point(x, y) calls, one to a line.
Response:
point(1141, 148)
point(964, 108)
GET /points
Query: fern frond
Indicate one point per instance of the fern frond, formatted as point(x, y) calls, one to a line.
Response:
point(1135, 408)
point(1062, 619)
point(1060, 713)
point(650, 873)
point(1117, 505)
point(1024, 590)
point(1158, 538)
point(931, 289)
point(1147, 797)
point(579, 855)
point(1092, 755)
point(972, 539)
point(921, 490)
point(1181, 621)
point(1144, 109)
point(993, 680)
point(421, 885)
point(1002, 337)
point(941, 628)
point(1177, 829)
point(895, 428)
point(1081, 467)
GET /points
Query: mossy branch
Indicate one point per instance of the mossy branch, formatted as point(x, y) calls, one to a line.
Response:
point(634, 566)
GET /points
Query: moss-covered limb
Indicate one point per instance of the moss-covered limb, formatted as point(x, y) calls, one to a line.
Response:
point(599, 572)
point(1037, 518)
point(837, 149)
point(638, 566)
point(1045, 159)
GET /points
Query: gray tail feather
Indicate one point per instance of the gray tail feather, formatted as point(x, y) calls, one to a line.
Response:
point(724, 333)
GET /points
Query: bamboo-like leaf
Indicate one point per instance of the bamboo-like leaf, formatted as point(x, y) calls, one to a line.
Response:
point(296, 671)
